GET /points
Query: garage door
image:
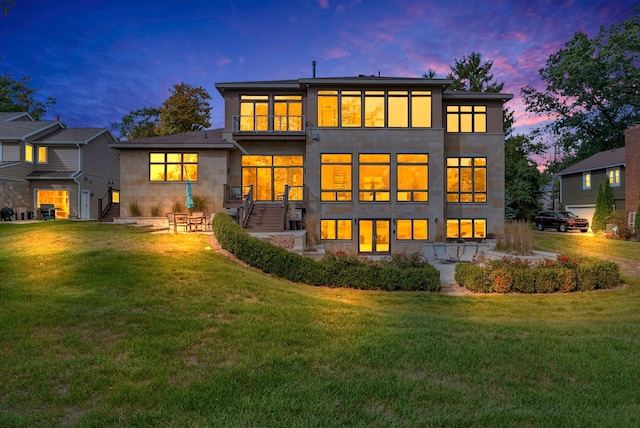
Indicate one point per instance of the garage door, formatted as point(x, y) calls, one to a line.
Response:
point(582, 211)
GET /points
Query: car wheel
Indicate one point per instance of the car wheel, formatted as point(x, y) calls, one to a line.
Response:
point(562, 227)
point(584, 230)
point(540, 227)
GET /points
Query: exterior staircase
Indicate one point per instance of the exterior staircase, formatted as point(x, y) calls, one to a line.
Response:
point(113, 212)
point(265, 218)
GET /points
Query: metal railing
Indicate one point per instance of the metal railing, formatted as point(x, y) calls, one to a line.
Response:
point(103, 207)
point(267, 123)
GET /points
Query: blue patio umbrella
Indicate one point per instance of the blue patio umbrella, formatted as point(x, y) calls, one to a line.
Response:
point(189, 202)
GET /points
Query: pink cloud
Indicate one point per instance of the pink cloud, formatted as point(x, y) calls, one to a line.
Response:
point(324, 4)
point(387, 37)
point(223, 61)
point(336, 53)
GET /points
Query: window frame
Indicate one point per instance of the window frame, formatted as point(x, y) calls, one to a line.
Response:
point(183, 164)
point(586, 180)
point(335, 222)
point(474, 233)
point(613, 175)
point(412, 192)
point(335, 191)
point(412, 228)
point(474, 169)
point(377, 195)
point(458, 115)
point(43, 152)
point(28, 148)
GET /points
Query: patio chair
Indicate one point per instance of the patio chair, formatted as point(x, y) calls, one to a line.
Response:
point(180, 220)
point(170, 219)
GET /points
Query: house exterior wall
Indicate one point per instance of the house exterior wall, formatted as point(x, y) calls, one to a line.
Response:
point(632, 164)
point(59, 158)
point(136, 188)
point(101, 167)
point(574, 195)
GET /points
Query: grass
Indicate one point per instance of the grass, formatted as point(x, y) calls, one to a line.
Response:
point(107, 325)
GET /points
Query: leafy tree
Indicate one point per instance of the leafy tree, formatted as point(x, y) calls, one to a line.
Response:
point(604, 207)
point(138, 124)
point(6, 5)
point(591, 90)
point(17, 96)
point(472, 74)
point(187, 109)
point(429, 74)
point(523, 180)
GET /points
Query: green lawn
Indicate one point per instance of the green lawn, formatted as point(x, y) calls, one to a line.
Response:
point(106, 325)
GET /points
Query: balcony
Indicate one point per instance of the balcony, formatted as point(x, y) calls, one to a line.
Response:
point(270, 127)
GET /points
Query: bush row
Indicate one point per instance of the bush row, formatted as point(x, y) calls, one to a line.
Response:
point(332, 271)
point(566, 274)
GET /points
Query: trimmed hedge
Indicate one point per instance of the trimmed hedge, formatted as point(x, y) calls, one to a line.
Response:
point(332, 271)
point(564, 275)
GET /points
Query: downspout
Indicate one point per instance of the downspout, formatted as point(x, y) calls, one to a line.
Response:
point(75, 178)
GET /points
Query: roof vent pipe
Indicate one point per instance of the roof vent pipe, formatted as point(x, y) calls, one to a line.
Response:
point(313, 66)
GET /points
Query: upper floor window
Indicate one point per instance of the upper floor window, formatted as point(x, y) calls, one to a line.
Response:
point(335, 177)
point(42, 154)
point(374, 177)
point(466, 118)
point(173, 166)
point(374, 109)
point(614, 176)
point(270, 113)
point(466, 179)
point(413, 177)
point(586, 180)
point(28, 153)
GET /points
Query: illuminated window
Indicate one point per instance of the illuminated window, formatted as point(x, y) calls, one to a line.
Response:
point(328, 108)
point(335, 177)
point(58, 198)
point(413, 178)
point(412, 229)
point(374, 109)
point(335, 229)
point(586, 180)
point(466, 228)
point(614, 176)
point(287, 111)
point(254, 112)
point(28, 153)
point(374, 177)
point(466, 179)
point(173, 166)
point(42, 154)
point(466, 118)
point(351, 109)
point(270, 174)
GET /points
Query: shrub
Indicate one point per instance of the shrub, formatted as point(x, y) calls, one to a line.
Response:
point(134, 209)
point(177, 207)
point(517, 237)
point(199, 203)
point(334, 270)
point(473, 277)
point(154, 211)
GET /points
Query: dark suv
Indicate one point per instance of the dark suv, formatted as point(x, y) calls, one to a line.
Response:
point(561, 220)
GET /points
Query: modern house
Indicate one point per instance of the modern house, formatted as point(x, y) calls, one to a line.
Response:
point(579, 183)
point(43, 163)
point(383, 164)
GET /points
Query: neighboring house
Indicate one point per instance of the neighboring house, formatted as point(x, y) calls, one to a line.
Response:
point(632, 164)
point(579, 183)
point(384, 164)
point(46, 163)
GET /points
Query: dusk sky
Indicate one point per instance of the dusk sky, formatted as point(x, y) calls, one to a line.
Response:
point(103, 59)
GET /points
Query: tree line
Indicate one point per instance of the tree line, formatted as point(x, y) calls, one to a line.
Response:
point(590, 94)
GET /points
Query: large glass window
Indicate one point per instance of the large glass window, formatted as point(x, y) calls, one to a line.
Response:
point(466, 179)
point(254, 112)
point(413, 177)
point(287, 111)
point(466, 228)
point(328, 108)
point(270, 174)
point(28, 153)
point(173, 166)
point(335, 229)
point(374, 109)
point(412, 229)
point(335, 176)
point(374, 177)
point(466, 118)
point(58, 198)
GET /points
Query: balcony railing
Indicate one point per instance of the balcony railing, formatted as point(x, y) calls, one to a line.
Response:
point(267, 123)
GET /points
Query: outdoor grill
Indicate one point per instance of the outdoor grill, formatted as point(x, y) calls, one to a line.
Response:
point(6, 214)
point(47, 212)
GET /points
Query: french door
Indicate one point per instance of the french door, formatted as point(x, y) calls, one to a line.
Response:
point(374, 236)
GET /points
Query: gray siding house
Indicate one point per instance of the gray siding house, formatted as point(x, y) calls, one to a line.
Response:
point(46, 163)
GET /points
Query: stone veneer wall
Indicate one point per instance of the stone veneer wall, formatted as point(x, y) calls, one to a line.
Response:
point(15, 195)
point(632, 167)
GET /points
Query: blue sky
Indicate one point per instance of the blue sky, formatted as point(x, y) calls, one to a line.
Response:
point(102, 59)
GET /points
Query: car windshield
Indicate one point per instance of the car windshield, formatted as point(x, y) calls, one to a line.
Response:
point(567, 214)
